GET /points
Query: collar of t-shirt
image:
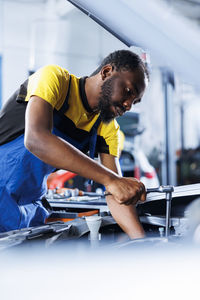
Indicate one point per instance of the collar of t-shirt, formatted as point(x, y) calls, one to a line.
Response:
point(83, 94)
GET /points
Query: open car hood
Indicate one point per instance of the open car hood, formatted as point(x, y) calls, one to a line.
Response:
point(171, 40)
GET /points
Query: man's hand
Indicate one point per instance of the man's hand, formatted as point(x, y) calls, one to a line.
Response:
point(127, 190)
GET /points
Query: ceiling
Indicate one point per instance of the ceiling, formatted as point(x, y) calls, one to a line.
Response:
point(156, 26)
point(188, 8)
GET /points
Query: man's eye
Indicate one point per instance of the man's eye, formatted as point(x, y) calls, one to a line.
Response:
point(128, 91)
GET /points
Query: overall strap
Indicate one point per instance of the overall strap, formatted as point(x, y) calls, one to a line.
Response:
point(93, 140)
point(93, 137)
point(65, 105)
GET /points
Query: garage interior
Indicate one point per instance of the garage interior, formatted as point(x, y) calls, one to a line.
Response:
point(161, 147)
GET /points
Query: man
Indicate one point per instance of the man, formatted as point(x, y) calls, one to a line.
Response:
point(51, 121)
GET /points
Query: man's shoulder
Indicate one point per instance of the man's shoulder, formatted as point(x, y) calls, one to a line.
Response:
point(53, 69)
point(50, 74)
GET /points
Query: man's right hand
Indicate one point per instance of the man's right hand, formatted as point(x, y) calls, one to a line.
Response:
point(126, 190)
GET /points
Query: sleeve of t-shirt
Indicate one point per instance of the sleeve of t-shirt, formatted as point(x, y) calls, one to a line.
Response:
point(108, 138)
point(48, 83)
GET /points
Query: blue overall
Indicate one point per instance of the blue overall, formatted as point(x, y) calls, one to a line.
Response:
point(23, 177)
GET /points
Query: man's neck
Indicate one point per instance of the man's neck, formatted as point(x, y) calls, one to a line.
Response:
point(92, 90)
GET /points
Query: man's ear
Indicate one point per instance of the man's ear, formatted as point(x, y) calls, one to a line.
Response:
point(106, 71)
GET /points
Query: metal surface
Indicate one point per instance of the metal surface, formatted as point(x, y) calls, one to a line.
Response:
point(153, 195)
point(89, 204)
point(169, 151)
point(179, 191)
point(77, 228)
point(50, 233)
point(162, 193)
point(168, 212)
point(16, 237)
point(168, 189)
point(160, 220)
point(161, 189)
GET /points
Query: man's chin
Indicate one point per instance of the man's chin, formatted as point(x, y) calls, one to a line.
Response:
point(107, 119)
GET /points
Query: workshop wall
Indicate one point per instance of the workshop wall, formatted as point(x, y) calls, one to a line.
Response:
point(16, 19)
point(75, 42)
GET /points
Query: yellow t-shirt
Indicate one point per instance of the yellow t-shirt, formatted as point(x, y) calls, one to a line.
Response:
point(51, 84)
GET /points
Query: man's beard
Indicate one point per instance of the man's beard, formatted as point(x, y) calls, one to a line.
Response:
point(105, 101)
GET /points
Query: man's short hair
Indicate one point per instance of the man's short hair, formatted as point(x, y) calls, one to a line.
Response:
point(123, 60)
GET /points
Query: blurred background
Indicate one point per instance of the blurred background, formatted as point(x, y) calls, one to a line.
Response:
point(162, 134)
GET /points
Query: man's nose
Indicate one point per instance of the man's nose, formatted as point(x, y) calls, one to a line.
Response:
point(127, 105)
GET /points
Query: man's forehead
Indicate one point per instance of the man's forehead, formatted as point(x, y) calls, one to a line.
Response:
point(134, 75)
point(139, 81)
point(134, 79)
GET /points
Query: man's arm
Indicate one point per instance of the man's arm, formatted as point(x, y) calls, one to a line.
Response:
point(124, 215)
point(55, 151)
